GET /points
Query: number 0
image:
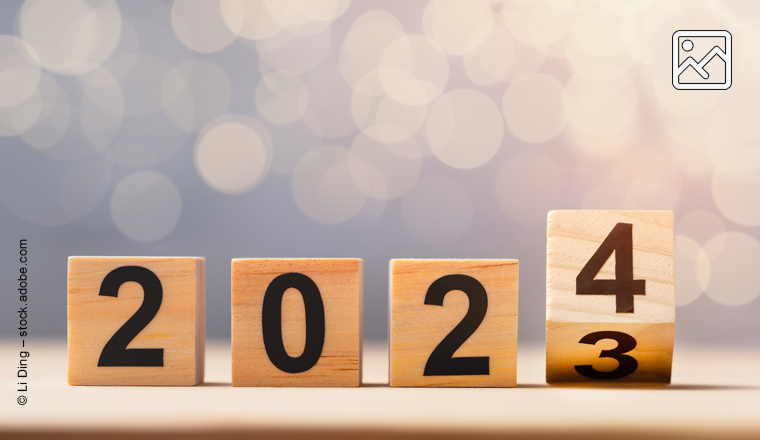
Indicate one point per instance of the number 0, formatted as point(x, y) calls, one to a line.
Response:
point(271, 323)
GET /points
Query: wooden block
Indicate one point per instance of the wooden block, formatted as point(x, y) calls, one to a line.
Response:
point(296, 322)
point(453, 323)
point(136, 320)
point(610, 283)
point(652, 355)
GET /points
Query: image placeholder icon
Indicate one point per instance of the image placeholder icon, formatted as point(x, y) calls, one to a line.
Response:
point(702, 60)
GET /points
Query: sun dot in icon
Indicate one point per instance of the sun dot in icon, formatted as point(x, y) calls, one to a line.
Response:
point(687, 45)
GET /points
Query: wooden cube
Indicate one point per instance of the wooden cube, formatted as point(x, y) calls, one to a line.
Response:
point(453, 323)
point(648, 360)
point(136, 320)
point(296, 322)
point(610, 288)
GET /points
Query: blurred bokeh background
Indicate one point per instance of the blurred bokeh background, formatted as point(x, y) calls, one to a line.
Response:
point(372, 129)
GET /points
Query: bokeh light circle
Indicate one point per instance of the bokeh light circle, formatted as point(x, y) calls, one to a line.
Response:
point(56, 116)
point(200, 26)
point(293, 141)
point(598, 32)
point(17, 119)
point(458, 26)
point(254, 20)
point(386, 120)
point(722, 134)
point(735, 182)
point(83, 186)
point(528, 186)
point(492, 60)
point(362, 50)
point(101, 109)
point(700, 225)
point(58, 192)
point(19, 71)
point(146, 206)
point(538, 23)
point(532, 107)
point(465, 129)
point(71, 37)
point(231, 155)
point(293, 53)
point(329, 112)
point(142, 78)
point(734, 269)
point(600, 107)
point(323, 185)
point(413, 70)
point(602, 146)
point(652, 180)
point(685, 103)
point(282, 97)
point(692, 270)
point(324, 10)
point(382, 173)
point(194, 93)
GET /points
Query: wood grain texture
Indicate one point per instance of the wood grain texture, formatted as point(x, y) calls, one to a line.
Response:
point(572, 239)
point(178, 327)
point(653, 352)
point(340, 284)
point(574, 236)
point(416, 329)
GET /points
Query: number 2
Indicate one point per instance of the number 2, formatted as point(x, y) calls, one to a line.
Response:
point(624, 287)
point(441, 361)
point(115, 353)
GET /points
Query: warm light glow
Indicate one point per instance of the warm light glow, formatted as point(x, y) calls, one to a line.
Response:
point(73, 37)
point(231, 155)
point(199, 25)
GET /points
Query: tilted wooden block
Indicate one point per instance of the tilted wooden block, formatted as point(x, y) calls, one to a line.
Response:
point(610, 289)
point(136, 320)
point(296, 322)
point(615, 353)
point(453, 323)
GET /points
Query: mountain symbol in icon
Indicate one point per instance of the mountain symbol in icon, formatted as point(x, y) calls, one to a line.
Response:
point(700, 66)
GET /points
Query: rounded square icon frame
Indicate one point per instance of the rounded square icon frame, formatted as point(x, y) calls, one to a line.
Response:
point(675, 65)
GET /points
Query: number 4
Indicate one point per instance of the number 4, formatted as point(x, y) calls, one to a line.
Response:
point(624, 287)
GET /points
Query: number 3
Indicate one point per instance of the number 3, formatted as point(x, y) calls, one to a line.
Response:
point(627, 364)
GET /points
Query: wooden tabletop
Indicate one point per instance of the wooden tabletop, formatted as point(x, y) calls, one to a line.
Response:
point(715, 394)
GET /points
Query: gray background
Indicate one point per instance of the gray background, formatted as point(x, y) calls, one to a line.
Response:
point(266, 220)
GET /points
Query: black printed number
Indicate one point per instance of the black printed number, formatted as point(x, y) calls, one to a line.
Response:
point(626, 364)
point(441, 361)
point(115, 353)
point(271, 323)
point(624, 287)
